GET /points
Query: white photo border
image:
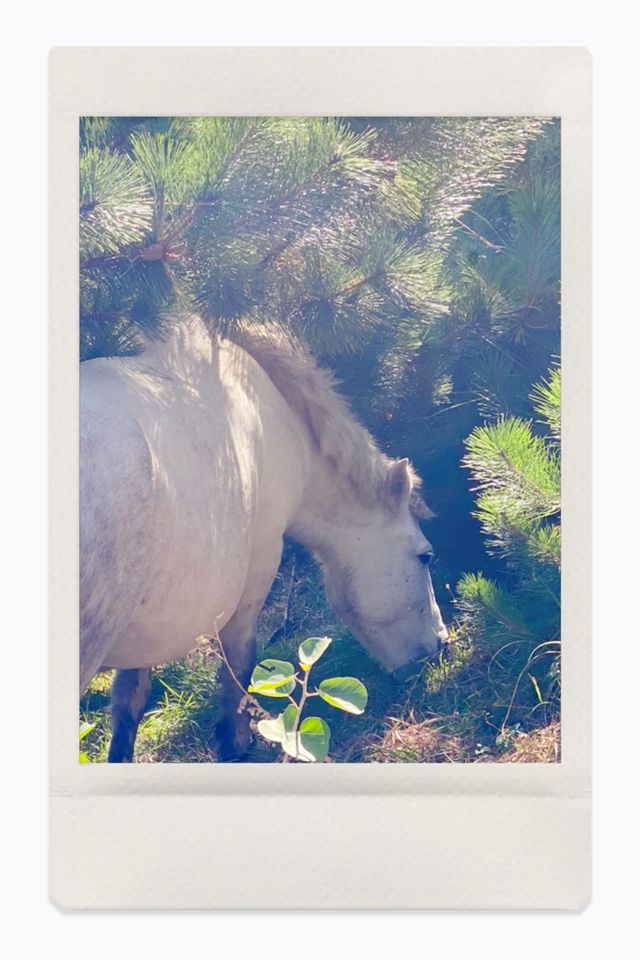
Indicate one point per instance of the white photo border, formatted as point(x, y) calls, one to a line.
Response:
point(334, 836)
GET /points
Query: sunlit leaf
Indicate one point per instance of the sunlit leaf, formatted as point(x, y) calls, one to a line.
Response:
point(315, 736)
point(345, 693)
point(86, 728)
point(310, 650)
point(310, 743)
point(276, 730)
point(273, 678)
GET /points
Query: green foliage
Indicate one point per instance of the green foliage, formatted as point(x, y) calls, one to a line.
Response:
point(519, 479)
point(311, 649)
point(179, 723)
point(273, 678)
point(329, 226)
point(345, 693)
point(546, 400)
point(116, 206)
point(518, 476)
point(85, 730)
point(305, 739)
point(517, 624)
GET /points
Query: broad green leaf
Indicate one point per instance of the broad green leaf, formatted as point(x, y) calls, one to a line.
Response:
point(291, 745)
point(282, 692)
point(310, 743)
point(273, 675)
point(345, 693)
point(84, 758)
point(86, 728)
point(314, 737)
point(276, 730)
point(310, 650)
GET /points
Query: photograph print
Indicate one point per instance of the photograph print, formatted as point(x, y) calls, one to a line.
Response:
point(320, 382)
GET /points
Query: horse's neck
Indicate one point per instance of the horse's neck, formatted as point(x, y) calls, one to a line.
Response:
point(328, 507)
point(327, 511)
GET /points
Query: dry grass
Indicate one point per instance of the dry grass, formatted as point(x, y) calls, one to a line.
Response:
point(434, 740)
point(445, 740)
point(538, 746)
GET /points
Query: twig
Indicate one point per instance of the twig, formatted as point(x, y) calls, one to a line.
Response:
point(478, 236)
point(219, 651)
point(287, 608)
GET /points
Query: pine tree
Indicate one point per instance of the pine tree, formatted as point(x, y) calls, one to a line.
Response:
point(339, 229)
point(437, 380)
point(516, 622)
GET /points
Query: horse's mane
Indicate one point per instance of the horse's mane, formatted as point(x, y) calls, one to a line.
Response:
point(312, 392)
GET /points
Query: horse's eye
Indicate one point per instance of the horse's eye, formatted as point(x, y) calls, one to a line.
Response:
point(425, 558)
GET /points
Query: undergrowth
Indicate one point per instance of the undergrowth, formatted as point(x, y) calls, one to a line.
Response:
point(460, 708)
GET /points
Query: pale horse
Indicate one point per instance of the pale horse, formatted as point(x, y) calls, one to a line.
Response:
point(197, 456)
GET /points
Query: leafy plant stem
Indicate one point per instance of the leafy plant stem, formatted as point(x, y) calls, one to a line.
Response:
point(303, 698)
point(218, 649)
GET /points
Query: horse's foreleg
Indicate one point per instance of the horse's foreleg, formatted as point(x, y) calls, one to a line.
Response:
point(238, 639)
point(129, 694)
point(232, 730)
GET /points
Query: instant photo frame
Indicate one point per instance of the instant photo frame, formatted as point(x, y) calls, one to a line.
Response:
point(375, 836)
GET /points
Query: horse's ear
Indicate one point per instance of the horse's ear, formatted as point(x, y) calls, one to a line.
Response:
point(398, 482)
point(418, 507)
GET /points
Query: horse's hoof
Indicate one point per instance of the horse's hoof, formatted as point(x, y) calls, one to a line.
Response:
point(118, 758)
point(121, 746)
point(230, 747)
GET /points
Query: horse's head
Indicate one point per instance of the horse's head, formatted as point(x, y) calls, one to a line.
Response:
point(378, 577)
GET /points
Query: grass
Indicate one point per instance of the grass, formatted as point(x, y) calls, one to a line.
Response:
point(179, 721)
point(462, 708)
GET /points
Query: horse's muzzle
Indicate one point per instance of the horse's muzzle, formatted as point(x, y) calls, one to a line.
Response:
point(415, 665)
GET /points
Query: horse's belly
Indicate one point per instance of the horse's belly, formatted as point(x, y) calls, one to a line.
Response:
point(148, 645)
point(193, 581)
point(170, 618)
